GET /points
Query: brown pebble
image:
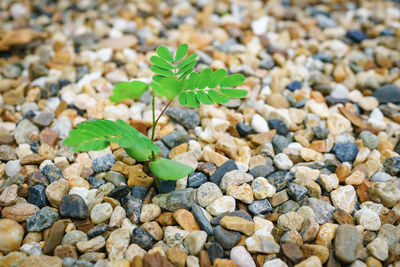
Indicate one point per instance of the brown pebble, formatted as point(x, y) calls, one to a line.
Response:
point(176, 256)
point(292, 252)
point(63, 251)
point(48, 136)
point(137, 261)
point(84, 225)
point(342, 172)
point(155, 260)
point(343, 217)
point(204, 259)
point(224, 263)
point(166, 219)
point(56, 234)
point(186, 220)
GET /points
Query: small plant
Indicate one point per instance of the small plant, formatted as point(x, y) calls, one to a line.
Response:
point(174, 78)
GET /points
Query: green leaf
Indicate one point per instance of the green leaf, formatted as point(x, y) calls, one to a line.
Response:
point(161, 71)
point(181, 51)
point(233, 80)
point(168, 169)
point(169, 87)
point(187, 67)
point(204, 77)
point(193, 79)
point(234, 93)
point(183, 76)
point(97, 135)
point(164, 53)
point(128, 90)
point(217, 97)
point(192, 100)
point(216, 78)
point(187, 60)
point(159, 62)
point(136, 144)
point(183, 99)
point(204, 98)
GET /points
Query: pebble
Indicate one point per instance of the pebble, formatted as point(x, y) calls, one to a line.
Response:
point(195, 241)
point(228, 239)
point(344, 198)
point(242, 257)
point(259, 124)
point(345, 151)
point(74, 207)
point(208, 193)
point(282, 162)
point(11, 234)
point(312, 149)
point(348, 242)
point(187, 117)
point(101, 213)
point(379, 249)
point(103, 163)
point(226, 167)
point(41, 220)
point(201, 219)
point(222, 205)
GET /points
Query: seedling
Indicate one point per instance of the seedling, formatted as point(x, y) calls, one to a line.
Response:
point(174, 78)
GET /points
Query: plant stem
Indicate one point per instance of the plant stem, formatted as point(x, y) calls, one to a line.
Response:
point(154, 122)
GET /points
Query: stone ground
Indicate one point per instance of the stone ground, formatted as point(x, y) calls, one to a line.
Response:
point(302, 172)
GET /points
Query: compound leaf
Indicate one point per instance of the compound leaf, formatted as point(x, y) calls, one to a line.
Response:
point(97, 135)
point(233, 80)
point(168, 169)
point(128, 90)
point(164, 53)
point(181, 51)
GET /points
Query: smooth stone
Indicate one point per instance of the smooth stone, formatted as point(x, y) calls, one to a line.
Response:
point(215, 251)
point(202, 219)
point(208, 193)
point(279, 125)
point(388, 93)
point(101, 213)
point(348, 242)
point(262, 170)
point(242, 257)
point(356, 35)
point(228, 166)
point(22, 131)
point(244, 129)
point(226, 238)
point(11, 234)
point(196, 179)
